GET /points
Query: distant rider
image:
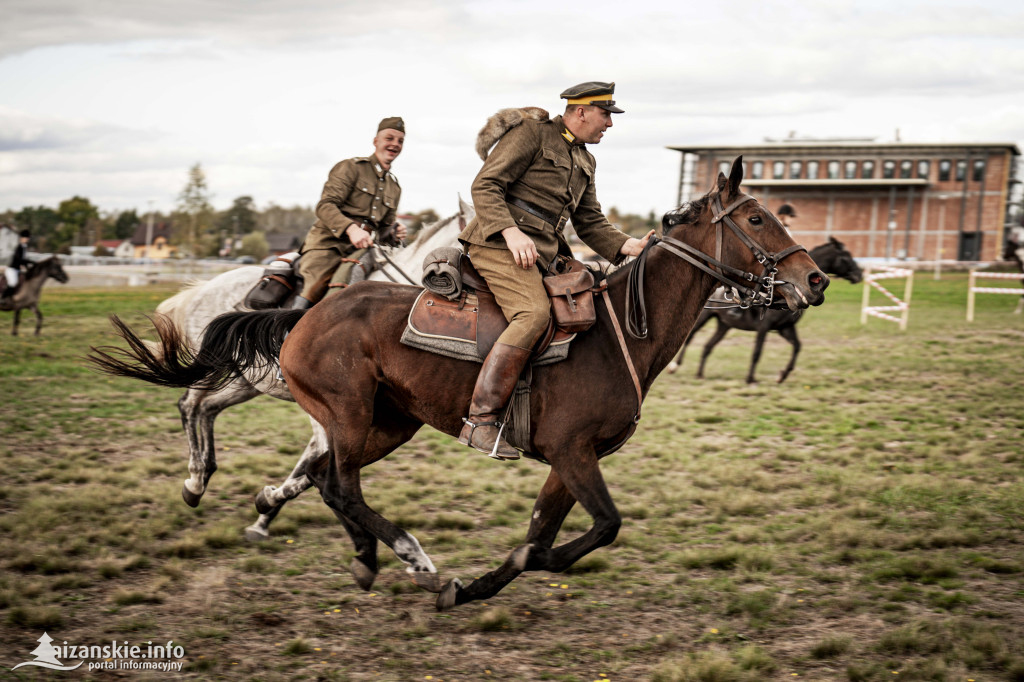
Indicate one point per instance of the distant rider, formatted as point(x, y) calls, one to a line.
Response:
point(12, 273)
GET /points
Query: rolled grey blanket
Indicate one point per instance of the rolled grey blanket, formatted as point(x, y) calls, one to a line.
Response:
point(441, 272)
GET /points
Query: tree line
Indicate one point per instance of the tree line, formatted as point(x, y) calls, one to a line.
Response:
point(195, 227)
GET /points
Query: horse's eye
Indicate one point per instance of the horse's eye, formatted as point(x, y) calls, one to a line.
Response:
point(755, 220)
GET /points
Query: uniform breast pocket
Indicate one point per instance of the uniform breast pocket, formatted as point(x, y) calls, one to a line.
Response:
point(391, 197)
point(361, 199)
point(555, 171)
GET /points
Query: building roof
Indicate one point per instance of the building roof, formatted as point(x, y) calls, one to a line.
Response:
point(838, 182)
point(848, 145)
point(282, 241)
point(159, 230)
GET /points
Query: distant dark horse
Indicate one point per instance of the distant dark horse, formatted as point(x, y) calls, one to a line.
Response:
point(832, 258)
point(1014, 251)
point(27, 295)
point(346, 367)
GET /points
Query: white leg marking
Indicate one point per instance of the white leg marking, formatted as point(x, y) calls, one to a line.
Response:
point(409, 551)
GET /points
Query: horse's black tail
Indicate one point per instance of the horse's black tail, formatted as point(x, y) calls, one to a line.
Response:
point(233, 343)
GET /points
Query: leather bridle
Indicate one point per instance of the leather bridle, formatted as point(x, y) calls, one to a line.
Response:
point(753, 290)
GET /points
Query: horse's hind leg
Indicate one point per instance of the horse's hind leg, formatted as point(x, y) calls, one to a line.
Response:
point(39, 318)
point(199, 408)
point(17, 318)
point(719, 334)
point(758, 347)
point(1020, 306)
point(701, 321)
point(789, 333)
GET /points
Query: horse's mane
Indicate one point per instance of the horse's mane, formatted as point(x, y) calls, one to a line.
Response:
point(687, 214)
point(429, 231)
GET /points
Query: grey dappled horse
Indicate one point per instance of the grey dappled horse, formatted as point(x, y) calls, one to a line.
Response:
point(27, 295)
point(832, 257)
point(192, 309)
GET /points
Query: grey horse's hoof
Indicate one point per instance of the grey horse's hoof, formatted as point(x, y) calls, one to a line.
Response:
point(191, 499)
point(431, 582)
point(447, 598)
point(255, 534)
point(263, 506)
point(363, 575)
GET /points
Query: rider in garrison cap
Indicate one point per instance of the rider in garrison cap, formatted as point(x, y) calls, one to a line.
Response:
point(539, 176)
point(359, 200)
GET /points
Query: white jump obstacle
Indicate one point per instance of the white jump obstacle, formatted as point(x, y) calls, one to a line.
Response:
point(972, 289)
point(882, 311)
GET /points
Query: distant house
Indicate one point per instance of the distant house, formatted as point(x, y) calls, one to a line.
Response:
point(159, 245)
point(280, 243)
point(119, 248)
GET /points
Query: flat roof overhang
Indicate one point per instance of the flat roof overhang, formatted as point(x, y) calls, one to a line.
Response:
point(848, 184)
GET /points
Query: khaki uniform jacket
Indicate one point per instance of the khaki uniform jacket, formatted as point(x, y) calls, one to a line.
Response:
point(357, 191)
point(534, 163)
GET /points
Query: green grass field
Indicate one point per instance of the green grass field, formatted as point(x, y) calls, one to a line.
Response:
point(862, 521)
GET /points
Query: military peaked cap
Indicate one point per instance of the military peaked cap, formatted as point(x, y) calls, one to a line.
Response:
point(593, 93)
point(392, 122)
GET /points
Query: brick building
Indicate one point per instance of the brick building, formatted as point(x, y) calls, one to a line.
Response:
point(899, 200)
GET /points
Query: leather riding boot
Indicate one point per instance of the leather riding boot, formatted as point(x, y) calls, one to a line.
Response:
point(494, 386)
point(301, 303)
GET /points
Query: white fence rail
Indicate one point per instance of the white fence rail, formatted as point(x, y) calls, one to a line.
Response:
point(973, 289)
point(901, 306)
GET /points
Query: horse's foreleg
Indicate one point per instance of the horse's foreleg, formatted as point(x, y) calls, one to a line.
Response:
point(17, 317)
point(270, 500)
point(789, 333)
point(1020, 306)
point(719, 334)
point(758, 346)
point(39, 318)
point(199, 410)
point(579, 479)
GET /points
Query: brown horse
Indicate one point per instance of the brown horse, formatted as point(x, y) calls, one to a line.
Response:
point(345, 366)
point(27, 294)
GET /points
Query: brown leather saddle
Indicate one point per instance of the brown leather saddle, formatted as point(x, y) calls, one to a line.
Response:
point(475, 317)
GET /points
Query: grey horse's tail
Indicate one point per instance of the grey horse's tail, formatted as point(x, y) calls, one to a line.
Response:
point(233, 343)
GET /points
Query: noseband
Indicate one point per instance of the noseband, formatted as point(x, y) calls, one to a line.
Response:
point(753, 290)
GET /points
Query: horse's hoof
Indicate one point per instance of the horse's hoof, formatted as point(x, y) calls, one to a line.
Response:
point(447, 598)
point(431, 582)
point(256, 534)
point(263, 506)
point(191, 499)
point(672, 367)
point(363, 575)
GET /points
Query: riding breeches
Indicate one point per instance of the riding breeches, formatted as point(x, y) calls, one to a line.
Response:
point(12, 275)
point(520, 294)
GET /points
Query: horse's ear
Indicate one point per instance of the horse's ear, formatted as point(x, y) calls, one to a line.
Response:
point(466, 210)
point(736, 176)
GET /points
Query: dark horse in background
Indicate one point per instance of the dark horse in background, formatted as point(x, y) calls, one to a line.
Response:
point(27, 293)
point(832, 258)
point(1014, 251)
point(346, 367)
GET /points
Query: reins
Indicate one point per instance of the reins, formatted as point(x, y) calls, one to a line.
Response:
point(753, 290)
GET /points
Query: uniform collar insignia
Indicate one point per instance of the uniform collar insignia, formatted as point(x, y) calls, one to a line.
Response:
point(569, 137)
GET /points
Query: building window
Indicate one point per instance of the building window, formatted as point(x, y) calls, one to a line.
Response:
point(906, 169)
point(757, 170)
point(867, 169)
point(833, 170)
point(724, 167)
point(812, 170)
point(945, 166)
point(850, 170)
point(795, 168)
point(889, 170)
point(779, 170)
point(979, 170)
point(923, 169)
point(961, 171)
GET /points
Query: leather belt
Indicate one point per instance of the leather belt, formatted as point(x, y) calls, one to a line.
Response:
point(534, 210)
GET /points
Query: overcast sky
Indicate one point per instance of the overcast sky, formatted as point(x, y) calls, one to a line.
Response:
point(114, 100)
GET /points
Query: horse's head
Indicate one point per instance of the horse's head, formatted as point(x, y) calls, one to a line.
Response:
point(833, 258)
point(733, 228)
point(55, 269)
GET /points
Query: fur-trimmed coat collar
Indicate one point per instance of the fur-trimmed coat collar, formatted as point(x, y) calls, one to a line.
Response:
point(502, 122)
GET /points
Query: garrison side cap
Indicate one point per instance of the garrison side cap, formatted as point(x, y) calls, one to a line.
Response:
point(593, 93)
point(392, 122)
